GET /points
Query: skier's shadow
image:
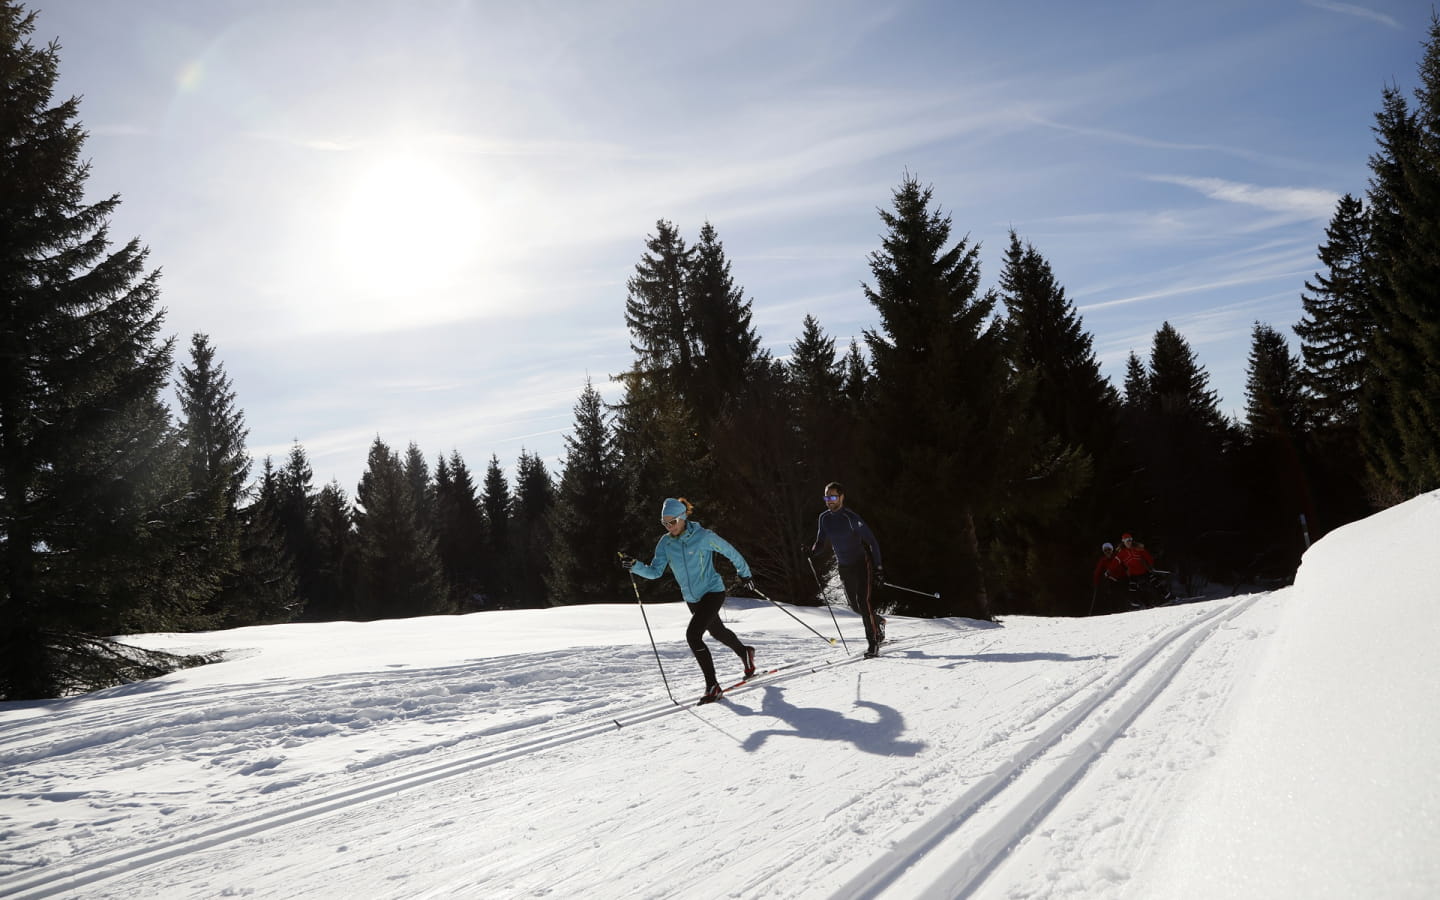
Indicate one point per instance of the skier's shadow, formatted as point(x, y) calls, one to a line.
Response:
point(880, 737)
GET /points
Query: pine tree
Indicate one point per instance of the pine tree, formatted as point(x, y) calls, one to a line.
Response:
point(1074, 409)
point(1275, 466)
point(940, 405)
point(332, 591)
point(717, 318)
point(1336, 329)
point(213, 432)
point(93, 536)
point(461, 539)
point(588, 517)
point(264, 588)
point(422, 490)
point(1401, 406)
point(655, 309)
point(530, 529)
point(495, 500)
point(294, 515)
point(398, 570)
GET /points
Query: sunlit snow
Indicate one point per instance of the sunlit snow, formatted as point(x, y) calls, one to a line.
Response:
point(1273, 745)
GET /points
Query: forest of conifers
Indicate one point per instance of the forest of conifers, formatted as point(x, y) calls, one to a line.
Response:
point(973, 428)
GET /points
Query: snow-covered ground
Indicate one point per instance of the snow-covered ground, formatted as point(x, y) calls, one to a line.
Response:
point(1280, 745)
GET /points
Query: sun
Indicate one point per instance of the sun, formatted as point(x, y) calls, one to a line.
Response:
point(407, 223)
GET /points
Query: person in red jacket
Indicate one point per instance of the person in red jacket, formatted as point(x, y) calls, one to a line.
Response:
point(1109, 574)
point(1140, 568)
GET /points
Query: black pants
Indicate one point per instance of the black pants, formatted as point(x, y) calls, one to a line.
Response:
point(858, 585)
point(705, 616)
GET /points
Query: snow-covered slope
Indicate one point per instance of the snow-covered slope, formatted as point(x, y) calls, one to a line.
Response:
point(1271, 745)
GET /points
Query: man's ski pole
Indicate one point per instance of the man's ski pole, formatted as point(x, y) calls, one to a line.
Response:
point(828, 606)
point(910, 590)
point(796, 618)
point(636, 587)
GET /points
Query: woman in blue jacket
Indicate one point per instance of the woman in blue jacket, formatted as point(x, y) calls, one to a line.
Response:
point(687, 550)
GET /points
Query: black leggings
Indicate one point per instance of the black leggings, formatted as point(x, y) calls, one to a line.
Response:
point(856, 580)
point(705, 616)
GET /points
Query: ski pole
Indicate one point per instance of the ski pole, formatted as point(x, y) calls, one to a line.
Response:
point(636, 587)
point(796, 618)
point(828, 606)
point(910, 590)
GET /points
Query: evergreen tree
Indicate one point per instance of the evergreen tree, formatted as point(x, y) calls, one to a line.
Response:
point(825, 426)
point(294, 514)
point(588, 518)
point(655, 308)
point(1401, 415)
point(333, 534)
point(495, 500)
point(213, 432)
point(1336, 329)
point(93, 536)
point(398, 570)
point(422, 491)
point(940, 406)
point(718, 321)
point(264, 588)
point(1275, 464)
point(855, 385)
point(530, 529)
point(1186, 482)
point(1137, 383)
point(1074, 407)
point(460, 532)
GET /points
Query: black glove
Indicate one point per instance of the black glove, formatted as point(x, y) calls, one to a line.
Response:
point(626, 561)
point(879, 575)
point(747, 584)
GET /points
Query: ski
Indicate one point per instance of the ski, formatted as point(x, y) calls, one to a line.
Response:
point(706, 698)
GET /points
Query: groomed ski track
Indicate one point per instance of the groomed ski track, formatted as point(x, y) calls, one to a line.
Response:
point(975, 795)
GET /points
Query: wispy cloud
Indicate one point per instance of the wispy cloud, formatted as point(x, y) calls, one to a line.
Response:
point(1350, 9)
point(1310, 203)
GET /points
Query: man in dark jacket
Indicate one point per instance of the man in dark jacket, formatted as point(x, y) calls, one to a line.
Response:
point(857, 557)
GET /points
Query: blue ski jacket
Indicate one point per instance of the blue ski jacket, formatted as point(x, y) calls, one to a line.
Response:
point(689, 559)
point(848, 535)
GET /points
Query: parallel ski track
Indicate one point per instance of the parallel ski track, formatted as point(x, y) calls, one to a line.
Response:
point(1019, 794)
point(83, 871)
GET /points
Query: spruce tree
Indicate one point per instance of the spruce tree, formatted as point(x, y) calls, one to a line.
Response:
point(94, 538)
point(530, 529)
point(398, 570)
point(1336, 330)
point(718, 317)
point(1275, 468)
point(589, 518)
point(655, 309)
point(1401, 415)
point(500, 569)
point(939, 408)
point(264, 588)
point(332, 530)
point(213, 432)
point(460, 532)
point(1077, 411)
point(295, 515)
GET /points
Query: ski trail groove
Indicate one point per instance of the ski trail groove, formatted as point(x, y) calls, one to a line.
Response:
point(1018, 795)
point(83, 871)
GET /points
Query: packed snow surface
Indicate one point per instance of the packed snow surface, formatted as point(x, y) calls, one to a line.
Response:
point(1272, 745)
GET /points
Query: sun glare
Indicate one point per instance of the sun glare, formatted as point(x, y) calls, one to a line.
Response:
point(409, 223)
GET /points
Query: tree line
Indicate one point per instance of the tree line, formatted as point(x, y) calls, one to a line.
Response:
point(973, 425)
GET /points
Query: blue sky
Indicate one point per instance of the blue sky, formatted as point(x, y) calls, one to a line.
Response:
point(416, 219)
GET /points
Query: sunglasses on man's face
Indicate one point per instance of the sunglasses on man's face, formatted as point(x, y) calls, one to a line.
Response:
point(667, 521)
point(831, 497)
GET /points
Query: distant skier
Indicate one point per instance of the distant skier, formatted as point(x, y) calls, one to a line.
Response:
point(1109, 574)
point(1140, 568)
point(857, 557)
point(687, 550)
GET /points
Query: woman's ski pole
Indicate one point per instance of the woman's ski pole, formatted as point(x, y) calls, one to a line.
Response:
point(796, 618)
point(636, 588)
point(828, 606)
